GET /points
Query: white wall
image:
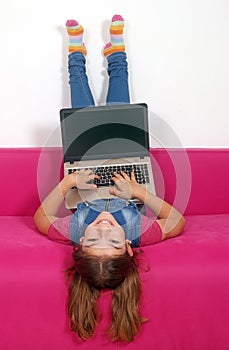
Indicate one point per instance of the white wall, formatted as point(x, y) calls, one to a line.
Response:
point(178, 62)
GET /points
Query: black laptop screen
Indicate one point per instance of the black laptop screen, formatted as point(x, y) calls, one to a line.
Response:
point(104, 132)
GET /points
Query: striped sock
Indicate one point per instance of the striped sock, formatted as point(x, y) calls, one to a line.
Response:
point(75, 32)
point(116, 34)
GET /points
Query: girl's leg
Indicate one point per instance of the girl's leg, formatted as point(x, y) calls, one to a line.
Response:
point(81, 95)
point(118, 91)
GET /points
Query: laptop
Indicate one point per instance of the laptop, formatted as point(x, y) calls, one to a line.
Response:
point(106, 139)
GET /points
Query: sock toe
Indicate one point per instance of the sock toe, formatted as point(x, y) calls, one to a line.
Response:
point(71, 23)
point(117, 18)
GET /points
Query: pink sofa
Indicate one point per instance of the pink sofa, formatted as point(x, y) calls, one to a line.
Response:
point(185, 293)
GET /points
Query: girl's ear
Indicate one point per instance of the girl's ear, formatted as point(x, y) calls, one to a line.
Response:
point(128, 248)
point(81, 240)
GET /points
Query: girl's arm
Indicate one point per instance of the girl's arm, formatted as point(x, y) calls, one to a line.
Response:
point(46, 213)
point(170, 220)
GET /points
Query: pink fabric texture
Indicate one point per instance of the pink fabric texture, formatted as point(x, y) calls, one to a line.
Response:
point(196, 179)
point(185, 280)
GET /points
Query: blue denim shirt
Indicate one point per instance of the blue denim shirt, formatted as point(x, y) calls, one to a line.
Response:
point(124, 212)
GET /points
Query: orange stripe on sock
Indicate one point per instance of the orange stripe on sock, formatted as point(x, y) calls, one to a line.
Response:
point(117, 27)
point(116, 31)
point(81, 49)
point(113, 49)
point(74, 32)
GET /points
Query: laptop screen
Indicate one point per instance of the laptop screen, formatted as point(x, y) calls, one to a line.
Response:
point(102, 132)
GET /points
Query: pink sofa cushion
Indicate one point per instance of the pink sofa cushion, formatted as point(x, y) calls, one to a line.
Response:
point(195, 180)
point(184, 293)
point(27, 176)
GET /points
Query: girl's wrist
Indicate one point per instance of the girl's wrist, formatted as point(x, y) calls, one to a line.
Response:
point(139, 192)
point(67, 183)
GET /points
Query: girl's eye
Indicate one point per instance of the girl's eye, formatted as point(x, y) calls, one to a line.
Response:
point(114, 241)
point(92, 239)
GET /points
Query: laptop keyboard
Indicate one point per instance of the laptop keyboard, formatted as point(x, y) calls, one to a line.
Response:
point(106, 173)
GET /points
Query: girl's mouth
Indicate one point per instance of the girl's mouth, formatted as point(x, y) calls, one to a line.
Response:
point(104, 221)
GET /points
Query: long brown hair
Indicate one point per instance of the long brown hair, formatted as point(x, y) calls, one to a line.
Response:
point(87, 277)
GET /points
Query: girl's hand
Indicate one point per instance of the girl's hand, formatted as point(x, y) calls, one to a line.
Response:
point(125, 187)
point(83, 179)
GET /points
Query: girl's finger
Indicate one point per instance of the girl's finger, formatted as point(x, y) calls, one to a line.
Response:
point(115, 193)
point(125, 176)
point(90, 186)
point(112, 191)
point(117, 176)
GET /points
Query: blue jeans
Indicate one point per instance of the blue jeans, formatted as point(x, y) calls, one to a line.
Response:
point(118, 90)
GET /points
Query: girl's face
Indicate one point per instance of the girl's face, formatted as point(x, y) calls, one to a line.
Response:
point(104, 236)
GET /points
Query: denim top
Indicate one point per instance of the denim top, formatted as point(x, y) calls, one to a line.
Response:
point(124, 212)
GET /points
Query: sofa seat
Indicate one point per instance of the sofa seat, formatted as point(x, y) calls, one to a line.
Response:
point(185, 284)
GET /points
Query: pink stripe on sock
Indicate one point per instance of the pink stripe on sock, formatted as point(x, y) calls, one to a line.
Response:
point(79, 37)
point(117, 36)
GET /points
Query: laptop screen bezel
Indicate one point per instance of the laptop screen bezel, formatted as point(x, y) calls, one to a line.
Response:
point(66, 112)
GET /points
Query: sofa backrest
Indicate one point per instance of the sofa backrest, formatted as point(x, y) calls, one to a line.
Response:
point(194, 180)
point(27, 176)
